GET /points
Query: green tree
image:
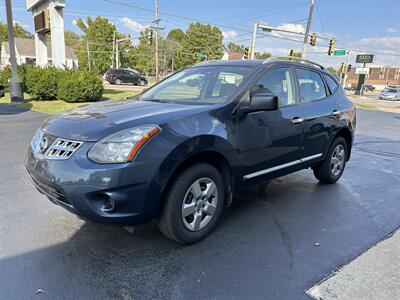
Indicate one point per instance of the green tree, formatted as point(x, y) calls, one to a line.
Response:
point(232, 47)
point(73, 40)
point(19, 32)
point(200, 38)
point(176, 34)
point(263, 55)
point(141, 57)
point(332, 70)
point(98, 39)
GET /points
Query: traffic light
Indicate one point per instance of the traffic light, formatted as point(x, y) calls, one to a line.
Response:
point(291, 52)
point(348, 68)
point(313, 39)
point(342, 68)
point(331, 48)
point(150, 37)
point(246, 53)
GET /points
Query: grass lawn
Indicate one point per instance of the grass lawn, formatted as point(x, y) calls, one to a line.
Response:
point(57, 106)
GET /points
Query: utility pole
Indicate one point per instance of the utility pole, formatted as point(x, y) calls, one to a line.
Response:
point(113, 52)
point(157, 41)
point(16, 93)
point(117, 55)
point(303, 52)
point(88, 54)
point(253, 41)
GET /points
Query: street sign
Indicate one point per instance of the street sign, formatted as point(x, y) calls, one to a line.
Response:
point(201, 55)
point(362, 71)
point(339, 52)
point(365, 58)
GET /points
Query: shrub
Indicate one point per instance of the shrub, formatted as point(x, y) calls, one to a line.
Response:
point(5, 75)
point(80, 86)
point(42, 83)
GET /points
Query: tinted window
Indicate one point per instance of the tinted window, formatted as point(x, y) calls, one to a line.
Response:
point(311, 85)
point(332, 85)
point(277, 82)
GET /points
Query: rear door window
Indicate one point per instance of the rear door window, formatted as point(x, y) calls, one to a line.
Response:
point(311, 85)
point(277, 82)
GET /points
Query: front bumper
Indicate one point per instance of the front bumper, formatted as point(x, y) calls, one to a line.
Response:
point(84, 187)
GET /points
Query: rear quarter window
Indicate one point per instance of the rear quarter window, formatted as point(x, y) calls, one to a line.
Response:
point(332, 84)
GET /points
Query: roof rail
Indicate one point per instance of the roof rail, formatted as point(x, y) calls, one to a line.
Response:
point(292, 58)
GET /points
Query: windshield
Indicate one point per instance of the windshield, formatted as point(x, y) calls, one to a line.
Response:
point(390, 90)
point(199, 85)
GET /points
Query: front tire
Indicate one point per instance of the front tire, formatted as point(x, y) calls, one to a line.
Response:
point(142, 83)
point(193, 204)
point(331, 169)
point(118, 81)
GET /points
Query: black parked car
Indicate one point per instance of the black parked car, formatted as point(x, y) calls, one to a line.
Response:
point(120, 76)
point(179, 152)
point(2, 91)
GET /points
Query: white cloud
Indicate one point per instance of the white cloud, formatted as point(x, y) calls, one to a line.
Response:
point(384, 46)
point(292, 27)
point(229, 34)
point(132, 25)
point(391, 30)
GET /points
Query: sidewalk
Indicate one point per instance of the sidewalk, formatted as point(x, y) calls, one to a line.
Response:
point(373, 275)
point(372, 102)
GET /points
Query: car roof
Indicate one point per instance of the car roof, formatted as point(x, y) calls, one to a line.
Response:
point(292, 61)
point(244, 62)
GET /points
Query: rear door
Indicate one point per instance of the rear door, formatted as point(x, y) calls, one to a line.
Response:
point(319, 111)
point(271, 141)
point(133, 77)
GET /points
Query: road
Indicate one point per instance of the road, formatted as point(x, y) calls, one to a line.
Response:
point(272, 246)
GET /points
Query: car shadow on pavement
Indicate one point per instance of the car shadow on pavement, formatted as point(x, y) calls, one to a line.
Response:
point(274, 245)
point(13, 109)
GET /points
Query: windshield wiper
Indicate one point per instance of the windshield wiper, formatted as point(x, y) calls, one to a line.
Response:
point(153, 100)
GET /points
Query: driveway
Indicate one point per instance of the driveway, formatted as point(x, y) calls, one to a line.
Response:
point(272, 245)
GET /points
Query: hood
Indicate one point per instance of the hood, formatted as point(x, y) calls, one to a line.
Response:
point(96, 121)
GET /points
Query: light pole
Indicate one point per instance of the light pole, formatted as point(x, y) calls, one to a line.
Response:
point(16, 93)
point(303, 52)
point(157, 67)
point(253, 41)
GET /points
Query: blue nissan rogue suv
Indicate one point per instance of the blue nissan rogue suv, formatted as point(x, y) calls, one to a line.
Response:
point(178, 151)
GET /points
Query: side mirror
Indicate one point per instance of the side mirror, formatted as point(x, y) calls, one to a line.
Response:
point(261, 102)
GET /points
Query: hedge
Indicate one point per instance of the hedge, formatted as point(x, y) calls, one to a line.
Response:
point(80, 86)
point(51, 83)
point(42, 83)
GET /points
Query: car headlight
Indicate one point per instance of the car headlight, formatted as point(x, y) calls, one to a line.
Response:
point(122, 146)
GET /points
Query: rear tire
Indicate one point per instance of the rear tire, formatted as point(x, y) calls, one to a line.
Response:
point(193, 204)
point(331, 169)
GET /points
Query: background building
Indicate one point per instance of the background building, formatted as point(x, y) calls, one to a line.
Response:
point(25, 51)
point(378, 77)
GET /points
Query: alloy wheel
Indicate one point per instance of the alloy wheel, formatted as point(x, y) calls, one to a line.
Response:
point(199, 204)
point(337, 160)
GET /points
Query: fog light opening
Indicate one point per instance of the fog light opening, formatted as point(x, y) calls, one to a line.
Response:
point(109, 205)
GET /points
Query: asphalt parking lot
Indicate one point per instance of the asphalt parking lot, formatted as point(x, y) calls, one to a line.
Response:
point(272, 245)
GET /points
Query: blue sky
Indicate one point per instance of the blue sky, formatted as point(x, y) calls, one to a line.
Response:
point(371, 25)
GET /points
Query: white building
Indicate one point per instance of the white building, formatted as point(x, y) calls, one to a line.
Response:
point(25, 52)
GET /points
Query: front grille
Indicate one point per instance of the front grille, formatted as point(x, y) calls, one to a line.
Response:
point(62, 149)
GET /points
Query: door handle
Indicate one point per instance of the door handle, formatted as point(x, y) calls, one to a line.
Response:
point(297, 120)
point(335, 113)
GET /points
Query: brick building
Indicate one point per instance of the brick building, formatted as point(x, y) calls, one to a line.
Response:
point(378, 77)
